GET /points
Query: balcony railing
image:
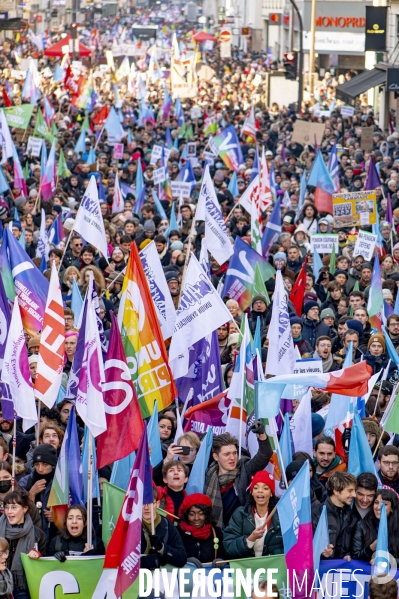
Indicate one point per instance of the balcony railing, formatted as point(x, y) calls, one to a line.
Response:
point(271, 5)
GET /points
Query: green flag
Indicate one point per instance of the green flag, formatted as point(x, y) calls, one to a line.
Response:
point(77, 577)
point(19, 116)
point(53, 129)
point(355, 288)
point(259, 286)
point(25, 170)
point(252, 564)
point(112, 504)
point(62, 169)
point(41, 127)
point(189, 133)
point(332, 260)
point(85, 124)
point(392, 422)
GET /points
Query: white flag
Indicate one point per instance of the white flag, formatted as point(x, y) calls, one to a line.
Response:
point(159, 289)
point(247, 197)
point(117, 203)
point(201, 311)
point(281, 353)
point(89, 397)
point(208, 209)
point(43, 243)
point(301, 425)
point(52, 345)
point(89, 221)
point(16, 372)
point(5, 139)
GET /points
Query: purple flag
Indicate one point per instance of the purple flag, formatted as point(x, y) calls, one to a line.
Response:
point(5, 320)
point(72, 455)
point(204, 377)
point(389, 213)
point(372, 179)
point(73, 381)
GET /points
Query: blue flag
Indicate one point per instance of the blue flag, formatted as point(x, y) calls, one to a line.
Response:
point(158, 205)
point(85, 468)
point(233, 187)
point(285, 443)
point(317, 263)
point(360, 456)
point(121, 471)
point(153, 437)
point(381, 563)
point(321, 538)
point(72, 456)
point(196, 481)
point(319, 175)
point(272, 229)
point(76, 302)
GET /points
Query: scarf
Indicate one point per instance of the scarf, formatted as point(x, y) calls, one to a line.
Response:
point(202, 533)
point(25, 535)
point(213, 482)
point(297, 339)
point(6, 582)
point(325, 363)
point(147, 532)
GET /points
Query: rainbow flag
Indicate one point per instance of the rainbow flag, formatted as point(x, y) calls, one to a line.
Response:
point(229, 148)
point(142, 340)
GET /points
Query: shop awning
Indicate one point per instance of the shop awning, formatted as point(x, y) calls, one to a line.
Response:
point(349, 90)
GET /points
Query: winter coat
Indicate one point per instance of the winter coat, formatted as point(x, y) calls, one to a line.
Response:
point(241, 525)
point(173, 553)
point(359, 549)
point(203, 549)
point(75, 545)
point(379, 362)
point(313, 329)
point(341, 525)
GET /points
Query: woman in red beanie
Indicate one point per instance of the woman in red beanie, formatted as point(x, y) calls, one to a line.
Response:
point(202, 540)
point(248, 534)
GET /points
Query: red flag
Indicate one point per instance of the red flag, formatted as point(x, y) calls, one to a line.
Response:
point(124, 548)
point(6, 99)
point(298, 290)
point(101, 115)
point(124, 422)
point(70, 83)
point(212, 412)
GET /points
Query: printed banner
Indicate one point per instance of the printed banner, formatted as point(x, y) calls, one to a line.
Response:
point(183, 77)
point(34, 146)
point(78, 577)
point(180, 189)
point(19, 116)
point(365, 244)
point(355, 209)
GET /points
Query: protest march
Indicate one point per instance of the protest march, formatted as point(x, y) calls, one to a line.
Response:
point(199, 324)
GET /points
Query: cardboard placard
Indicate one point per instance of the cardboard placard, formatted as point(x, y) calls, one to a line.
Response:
point(118, 151)
point(354, 209)
point(366, 140)
point(305, 132)
point(180, 189)
point(34, 146)
point(324, 242)
point(365, 244)
point(159, 175)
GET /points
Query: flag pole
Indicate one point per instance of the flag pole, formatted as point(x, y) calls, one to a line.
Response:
point(99, 137)
point(65, 249)
point(39, 407)
point(90, 492)
point(14, 447)
point(152, 521)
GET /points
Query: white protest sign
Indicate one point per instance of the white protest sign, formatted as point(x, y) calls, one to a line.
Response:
point(310, 366)
point(347, 111)
point(191, 149)
point(365, 244)
point(156, 154)
point(180, 189)
point(209, 157)
point(159, 175)
point(34, 146)
point(213, 147)
point(194, 162)
point(324, 242)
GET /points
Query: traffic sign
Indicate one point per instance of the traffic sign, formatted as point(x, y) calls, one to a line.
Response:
point(225, 35)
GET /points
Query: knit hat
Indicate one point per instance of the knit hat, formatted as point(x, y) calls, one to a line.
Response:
point(326, 313)
point(33, 359)
point(171, 276)
point(263, 477)
point(233, 339)
point(68, 223)
point(45, 453)
point(317, 424)
point(367, 265)
point(176, 245)
point(194, 499)
point(339, 271)
point(310, 297)
point(387, 294)
point(149, 225)
point(292, 469)
point(355, 325)
point(259, 297)
point(270, 286)
point(144, 243)
point(296, 320)
point(34, 341)
point(309, 305)
point(377, 337)
point(372, 427)
point(280, 256)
